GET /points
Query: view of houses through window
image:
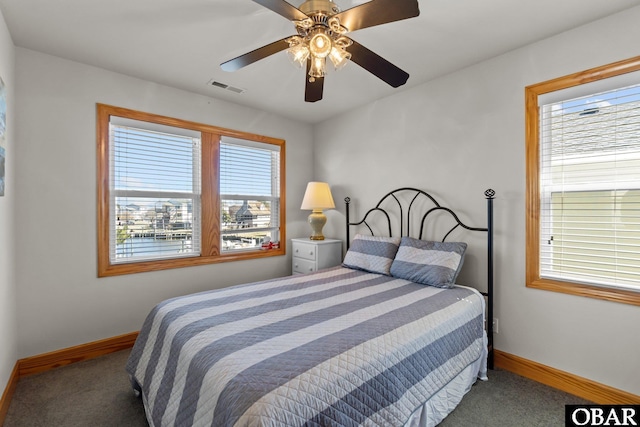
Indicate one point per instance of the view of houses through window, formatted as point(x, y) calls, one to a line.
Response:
point(153, 227)
point(149, 228)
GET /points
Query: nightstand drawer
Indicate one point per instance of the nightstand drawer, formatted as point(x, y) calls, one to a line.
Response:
point(313, 255)
point(304, 250)
point(303, 266)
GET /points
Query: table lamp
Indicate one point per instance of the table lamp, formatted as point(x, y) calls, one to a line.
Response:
point(316, 198)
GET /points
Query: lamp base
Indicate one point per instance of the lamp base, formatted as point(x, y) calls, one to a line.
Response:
point(317, 220)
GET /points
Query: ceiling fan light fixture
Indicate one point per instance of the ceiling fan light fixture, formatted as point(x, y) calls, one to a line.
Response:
point(320, 45)
point(322, 29)
point(339, 57)
point(317, 68)
point(298, 53)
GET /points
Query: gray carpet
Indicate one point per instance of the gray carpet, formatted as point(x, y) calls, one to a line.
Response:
point(97, 393)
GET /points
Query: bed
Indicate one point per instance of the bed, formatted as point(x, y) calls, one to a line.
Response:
point(385, 339)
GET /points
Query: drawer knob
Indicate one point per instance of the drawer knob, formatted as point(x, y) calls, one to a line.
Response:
point(310, 268)
point(310, 252)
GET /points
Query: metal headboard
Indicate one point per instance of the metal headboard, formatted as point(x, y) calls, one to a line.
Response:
point(410, 197)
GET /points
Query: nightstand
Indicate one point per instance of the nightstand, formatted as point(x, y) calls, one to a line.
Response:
point(313, 255)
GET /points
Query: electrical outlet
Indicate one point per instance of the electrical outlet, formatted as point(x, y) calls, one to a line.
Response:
point(495, 325)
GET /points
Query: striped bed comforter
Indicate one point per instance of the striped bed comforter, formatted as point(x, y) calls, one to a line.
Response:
point(339, 347)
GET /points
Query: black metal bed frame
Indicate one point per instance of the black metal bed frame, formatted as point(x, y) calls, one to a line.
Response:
point(405, 231)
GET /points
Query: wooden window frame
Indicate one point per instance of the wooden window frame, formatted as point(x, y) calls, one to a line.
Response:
point(210, 203)
point(533, 279)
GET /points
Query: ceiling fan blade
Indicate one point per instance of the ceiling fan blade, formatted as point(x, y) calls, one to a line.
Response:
point(378, 12)
point(377, 65)
point(313, 89)
point(255, 55)
point(283, 8)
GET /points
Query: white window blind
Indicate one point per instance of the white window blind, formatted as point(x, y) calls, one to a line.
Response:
point(590, 189)
point(249, 193)
point(155, 191)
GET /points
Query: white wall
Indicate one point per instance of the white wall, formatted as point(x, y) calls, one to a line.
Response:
point(61, 302)
point(8, 340)
point(463, 133)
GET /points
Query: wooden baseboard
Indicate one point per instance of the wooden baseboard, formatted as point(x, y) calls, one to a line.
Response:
point(572, 384)
point(8, 394)
point(67, 356)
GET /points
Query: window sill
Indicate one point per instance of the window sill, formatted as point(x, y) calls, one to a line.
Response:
point(107, 269)
point(609, 294)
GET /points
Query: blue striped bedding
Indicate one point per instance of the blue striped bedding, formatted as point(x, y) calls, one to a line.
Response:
point(338, 347)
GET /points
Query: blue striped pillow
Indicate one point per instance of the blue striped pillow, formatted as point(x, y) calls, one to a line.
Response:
point(430, 263)
point(371, 253)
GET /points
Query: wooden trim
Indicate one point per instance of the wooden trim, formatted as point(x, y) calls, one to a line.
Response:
point(210, 200)
point(533, 187)
point(283, 196)
point(210, 250)
point(591, 75)
point(142, 267)
point(573, 384)
point(8, 394)
point(102, 167)
point(55, 359)
point(609, 294)
point(532, 271)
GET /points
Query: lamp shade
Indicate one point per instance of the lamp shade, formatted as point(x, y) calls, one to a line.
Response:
point(317, 196)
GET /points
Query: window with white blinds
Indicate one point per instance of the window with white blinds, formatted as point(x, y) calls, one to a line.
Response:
point(155, 192)
point(249, 194)
point(590, 189)
point(174, 193)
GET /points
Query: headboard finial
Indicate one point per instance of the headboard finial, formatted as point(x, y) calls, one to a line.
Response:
point(347, 199)
point(490, 193)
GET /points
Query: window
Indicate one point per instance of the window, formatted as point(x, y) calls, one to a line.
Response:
point(249, 192)
point(583, 183)
point(154, 187)
point(173, 193)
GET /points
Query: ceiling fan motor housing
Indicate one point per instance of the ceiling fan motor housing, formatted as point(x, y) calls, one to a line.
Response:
point(325, 7)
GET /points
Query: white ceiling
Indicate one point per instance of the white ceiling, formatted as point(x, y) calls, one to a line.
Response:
point(181, 43)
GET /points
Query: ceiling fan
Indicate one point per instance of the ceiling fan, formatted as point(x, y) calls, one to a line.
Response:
point(321, 29)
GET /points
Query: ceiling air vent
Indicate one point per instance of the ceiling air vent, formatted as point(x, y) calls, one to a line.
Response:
point(225, 86)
